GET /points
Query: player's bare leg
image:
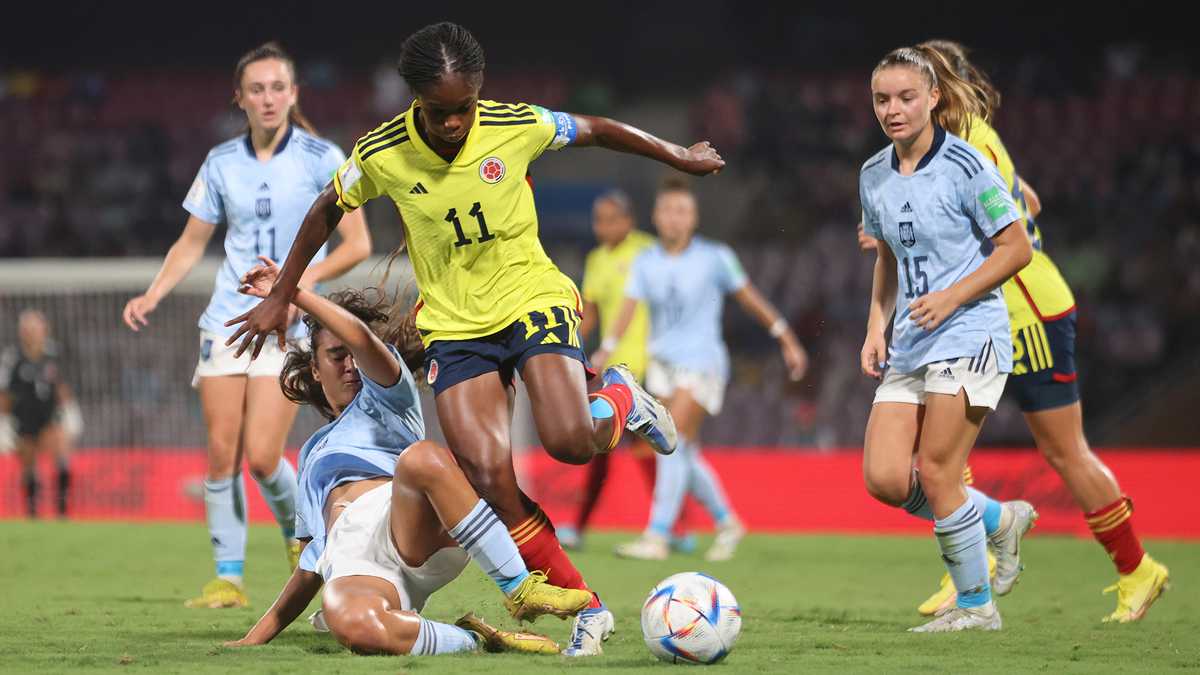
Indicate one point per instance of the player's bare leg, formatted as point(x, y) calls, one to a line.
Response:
point(1059, 435)
point(27, 450)
point(268, 418)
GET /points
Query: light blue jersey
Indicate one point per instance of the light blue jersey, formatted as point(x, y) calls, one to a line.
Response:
point(363, 442)
point(685, 293)
point(261, 204)
point(939, 223)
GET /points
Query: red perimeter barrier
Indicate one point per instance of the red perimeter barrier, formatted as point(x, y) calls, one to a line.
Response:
point(780, 490)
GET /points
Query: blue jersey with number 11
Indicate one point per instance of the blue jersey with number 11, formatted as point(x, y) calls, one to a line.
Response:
point(261, 205)
point(939, 222)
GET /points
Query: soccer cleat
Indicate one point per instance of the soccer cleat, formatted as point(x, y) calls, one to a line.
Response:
point(294, 548)
point(496, 640)
point(985, 617)
point(534, 596)
point(647, 418)
point(568, 537)
point(1138, 590)
point(317, 619)
point(592, 627)
point(725, 544)
point(946, 595)
point(219, 594)
point(649, 546)
point(1005, 543)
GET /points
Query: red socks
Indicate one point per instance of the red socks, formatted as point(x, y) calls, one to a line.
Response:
point(1112, 528)
point(541, 551)
point(621, 399)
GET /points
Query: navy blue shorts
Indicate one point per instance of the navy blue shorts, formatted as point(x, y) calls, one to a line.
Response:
point(1044, 374)
point(551, 331)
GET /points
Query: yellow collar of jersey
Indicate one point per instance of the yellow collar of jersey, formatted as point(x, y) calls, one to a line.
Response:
point(410, 120)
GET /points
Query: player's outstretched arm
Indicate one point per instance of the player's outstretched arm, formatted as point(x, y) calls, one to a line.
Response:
point(700, 159)
point(370, 354)
point(271, 315)
point(299, 590)
point(180, 259)
point(794, 355)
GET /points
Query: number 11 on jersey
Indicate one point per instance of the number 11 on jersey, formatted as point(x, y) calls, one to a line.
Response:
point(477, 213)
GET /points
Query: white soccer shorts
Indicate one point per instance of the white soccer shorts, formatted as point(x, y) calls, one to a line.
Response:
point(983, 382)
point(216, 359)
point(360, 544)
point(708, 390)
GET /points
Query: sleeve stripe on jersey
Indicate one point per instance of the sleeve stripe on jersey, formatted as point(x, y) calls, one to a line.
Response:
point(483, 114)
point(964, 155)
point(875, 163)
point(374, 144)
point(506, 123)
point(960, 165)
point(382, 130)
point(313, 147)
point(221, 152)
point(379, 148)
point(505, 107)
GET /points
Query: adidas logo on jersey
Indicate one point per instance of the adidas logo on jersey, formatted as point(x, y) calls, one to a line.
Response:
point(264, 186)
point(906, 208)
point(418, 189)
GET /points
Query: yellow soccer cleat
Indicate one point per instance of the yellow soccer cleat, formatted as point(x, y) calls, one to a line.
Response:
point(294, 548)
point(219, 594)
point(946, 595)
point(535, 597)
point(496, 640)
point(1138, 590)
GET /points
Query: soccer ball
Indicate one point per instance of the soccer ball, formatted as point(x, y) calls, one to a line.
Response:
point(691, 618)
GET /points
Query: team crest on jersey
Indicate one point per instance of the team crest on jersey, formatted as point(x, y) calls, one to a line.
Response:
point(491, 170)
point(908, 236)
point(262, 207)
point(431, 376)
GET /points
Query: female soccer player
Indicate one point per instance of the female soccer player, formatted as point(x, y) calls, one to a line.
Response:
point(1041, 311)
point(34, 392)
point(258, 185)
point(683, 280)
point(492, 304)
point(943, 220)
point(388, 517)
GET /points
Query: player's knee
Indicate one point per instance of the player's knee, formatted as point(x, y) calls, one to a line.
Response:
point(570, 443)
point(222, 457)
point(891, 490)
point(423, 463)
point(939, 478)
point(358, 628)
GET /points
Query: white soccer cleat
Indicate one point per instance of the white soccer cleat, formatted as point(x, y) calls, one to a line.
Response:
point(592, 627)
point(1005, 543)
point(649, 546)
point(985, 617)
point(726, 542)
point(648, 418)
point(317, 619)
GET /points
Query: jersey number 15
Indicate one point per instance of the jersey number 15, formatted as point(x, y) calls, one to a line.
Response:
point(922, 285)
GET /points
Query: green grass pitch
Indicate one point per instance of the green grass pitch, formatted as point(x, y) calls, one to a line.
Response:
point(108, 597)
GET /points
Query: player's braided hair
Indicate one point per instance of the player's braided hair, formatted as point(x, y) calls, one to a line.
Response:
point(960, 99)
point(272, 50)
point(437, 49)
point(956, 55)
point(373, 308)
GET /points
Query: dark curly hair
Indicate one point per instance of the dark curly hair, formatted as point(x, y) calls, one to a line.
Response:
point(437, 49)
point(392, 323)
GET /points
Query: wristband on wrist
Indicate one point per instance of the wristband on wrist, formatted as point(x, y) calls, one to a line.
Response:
point(608, 344)
point(778, 328)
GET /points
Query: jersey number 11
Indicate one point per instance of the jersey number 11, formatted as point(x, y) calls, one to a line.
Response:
point(477, 212)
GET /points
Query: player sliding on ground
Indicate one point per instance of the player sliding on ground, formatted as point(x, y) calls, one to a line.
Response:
point(492, 303)
point(948, 235)
point(388, 518)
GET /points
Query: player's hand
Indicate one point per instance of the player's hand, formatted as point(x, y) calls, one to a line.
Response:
point(932, 309)
point(865, 241)
point(244, 642)
point(259, 280)
point(874, 355)
point(268, 316)
point(136, 311)
point(599, 359)
point(701, 159)
point(796, 358)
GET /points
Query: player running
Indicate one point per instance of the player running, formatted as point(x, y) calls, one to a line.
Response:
point(389, 518)
point(683, 280)
point(258, 185)
point(34, 393)
point(944, 220)
point(1041, 311)
point(491, 303)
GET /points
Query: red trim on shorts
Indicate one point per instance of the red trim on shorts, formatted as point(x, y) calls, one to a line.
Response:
point(1038, 312)
point(1065, 377)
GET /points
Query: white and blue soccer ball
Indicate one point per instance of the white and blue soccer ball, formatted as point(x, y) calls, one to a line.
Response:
point(691, 618)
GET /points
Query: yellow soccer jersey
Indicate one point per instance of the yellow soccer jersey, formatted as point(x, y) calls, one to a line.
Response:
point(470, 224)
point(604, 275)
point(1038, 292)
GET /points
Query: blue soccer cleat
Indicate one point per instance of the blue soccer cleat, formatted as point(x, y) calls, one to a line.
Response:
point(648, 418)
